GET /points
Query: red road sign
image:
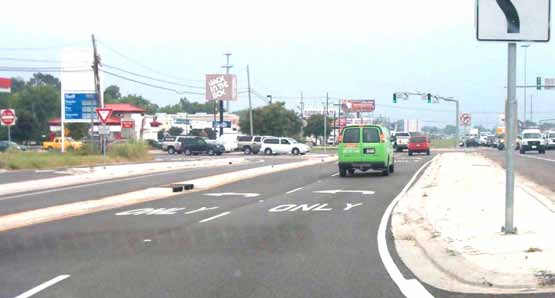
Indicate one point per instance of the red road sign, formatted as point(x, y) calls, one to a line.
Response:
point(7, 117)
point(465, 119)
point(103, 114)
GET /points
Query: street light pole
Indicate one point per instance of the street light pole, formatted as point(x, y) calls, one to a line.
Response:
point(525, 46)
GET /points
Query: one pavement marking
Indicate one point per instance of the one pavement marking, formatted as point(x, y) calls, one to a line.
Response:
point(335, 191)
point(246, 195)
point(336, 174)
point(411, 288)
point(294, 190)
point(42, 286)
point(214, 217)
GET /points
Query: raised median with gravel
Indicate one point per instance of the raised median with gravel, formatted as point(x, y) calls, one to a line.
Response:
point(447, 229)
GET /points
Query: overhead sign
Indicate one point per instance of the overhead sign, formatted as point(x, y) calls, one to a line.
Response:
point(465, 119)
point(221, 87)
point(103, 114)
point(5, 85)
point(549, 84)
point(225, 124)
point(80, 107)
point(513, 20)
point(7, 117)
point(352, 106)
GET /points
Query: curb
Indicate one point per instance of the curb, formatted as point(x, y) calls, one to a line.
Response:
point(434, 249)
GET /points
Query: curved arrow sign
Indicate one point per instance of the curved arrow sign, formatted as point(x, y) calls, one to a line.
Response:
point(513, 20)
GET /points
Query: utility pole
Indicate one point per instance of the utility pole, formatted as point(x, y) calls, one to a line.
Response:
point(250, 102)
point(326, 123)
point(96, 62)
point(302, 115)
point(525, 46)
point(531, 107)
point(227, 67)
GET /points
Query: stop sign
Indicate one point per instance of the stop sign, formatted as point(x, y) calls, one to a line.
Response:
point(7, 117)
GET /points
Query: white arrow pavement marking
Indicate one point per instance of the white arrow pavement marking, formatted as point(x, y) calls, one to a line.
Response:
point(246, 195)
point(334, 191)
point(43, 286)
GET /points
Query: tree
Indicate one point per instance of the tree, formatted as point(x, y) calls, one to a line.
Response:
point(40, 79)
point(273, 120)
point(450, 129)
point(430, 129)
point(112, 94)
point(139, 101)
point(78, 130)
point(175, 131)
point(161, 134)
point(315, 126)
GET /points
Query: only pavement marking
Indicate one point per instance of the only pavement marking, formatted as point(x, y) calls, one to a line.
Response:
point(294, 190)
point(43, 286)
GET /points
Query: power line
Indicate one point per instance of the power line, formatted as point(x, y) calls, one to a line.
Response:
point(137, 62)
point(150, 85)
point(38, 69)
point(29, 60)
point(151, 78)
point(46, 48)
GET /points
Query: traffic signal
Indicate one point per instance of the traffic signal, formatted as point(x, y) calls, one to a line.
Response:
point(394, 97)
point(539, 83)
point(429, 96)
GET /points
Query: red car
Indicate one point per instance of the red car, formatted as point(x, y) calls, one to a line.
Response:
point(419, 144)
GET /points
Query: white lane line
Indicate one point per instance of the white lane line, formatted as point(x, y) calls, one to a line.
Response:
point(43, 286)
point(535, 157)
point(294, 190)
point(411, 288)
point(216, 216)
point(336, 174)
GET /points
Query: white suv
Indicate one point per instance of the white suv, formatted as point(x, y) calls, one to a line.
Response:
point(273, 145)
point(532, 140)
point(550, 136)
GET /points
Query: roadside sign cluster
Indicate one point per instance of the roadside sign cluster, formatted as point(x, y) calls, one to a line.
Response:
point(5, 85)
point(466, 119)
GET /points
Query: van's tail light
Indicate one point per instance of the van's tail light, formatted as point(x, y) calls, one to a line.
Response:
point(382, 138)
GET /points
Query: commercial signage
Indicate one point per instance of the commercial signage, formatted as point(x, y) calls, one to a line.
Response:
point(127, 124)
point(513, 20)
point(355, 106)
point(5, 85)
point(225, 124)
point(221, 87)
point(80, 107)
point(7, 117)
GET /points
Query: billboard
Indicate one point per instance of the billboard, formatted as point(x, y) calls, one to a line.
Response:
point(80, 107)
point(359, 105)
point(221, 87)
point(5, 85)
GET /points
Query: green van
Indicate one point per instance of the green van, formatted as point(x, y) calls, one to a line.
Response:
point(365, 147)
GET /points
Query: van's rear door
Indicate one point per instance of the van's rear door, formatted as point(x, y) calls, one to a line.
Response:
point(350, 148)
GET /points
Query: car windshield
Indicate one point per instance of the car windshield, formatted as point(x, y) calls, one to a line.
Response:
point(402, 134)
point(418, 140)
point(532, 135)
point(292, 141)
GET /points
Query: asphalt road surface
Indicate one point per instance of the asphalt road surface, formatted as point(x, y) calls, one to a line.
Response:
point(13, 203)
point(539, 168)
point(293, 235)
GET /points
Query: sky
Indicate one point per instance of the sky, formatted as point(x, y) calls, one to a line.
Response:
point(349, 49)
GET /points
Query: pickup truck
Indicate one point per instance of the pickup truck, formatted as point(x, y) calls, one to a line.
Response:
point(401, 141)
point(172, 144)
point(56, 144)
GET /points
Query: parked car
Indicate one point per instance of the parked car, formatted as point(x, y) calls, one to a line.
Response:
point(420, 144)
point(229, 141)
point(7, 145)
point(550, 137)
point(172, 144)
point(274, 145)
point(250, 144)
point(197, 145)
point(532, 140)
point(56, 144)
point(401, 141)
point(365, 148)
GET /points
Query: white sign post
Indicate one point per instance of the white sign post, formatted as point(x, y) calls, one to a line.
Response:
point(512, 21)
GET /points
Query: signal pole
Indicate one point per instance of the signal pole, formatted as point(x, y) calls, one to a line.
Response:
point(96, 62)
point(302, 115)
point(250, 102)
point(326, 123)
point(227, 67)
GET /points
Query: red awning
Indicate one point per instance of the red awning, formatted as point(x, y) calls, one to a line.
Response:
point(123, 108)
